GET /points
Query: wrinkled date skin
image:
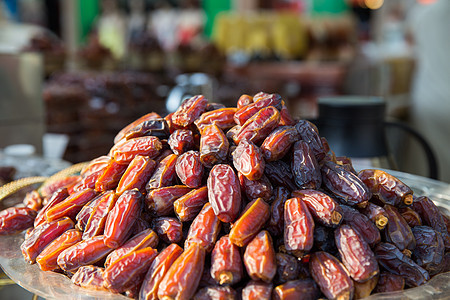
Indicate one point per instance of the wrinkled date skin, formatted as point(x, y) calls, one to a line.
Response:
point(308, 132)
point(97, 218)
point(305, 167)
point(215, 292)
point(213, 146)
point(257, 290)
point(331, 276)
point(16, 219)
point(56, 198)
point(323, 208)
point(157, 270)
point(244, 100)
point(144, 239)
point(222, 117)
point(157, 127)
point(188, 206)
point(189, 111)
point(164, 175)
point(181, 140)
point(226, 262)
point(204, 230)
point(190, 169)
point(70, 206)
point(182, 278)
point(394, 261)
point(124, 152)
point(397, 230)
point(278, 143)
point(376, 214)
point(259, 126)
point(110, 176)
point(42, 235)
point(170, 230)
point(276, 222)
point(345, 185)
point(246, 112)
point(33, 200)
point(298, 227)
point(388, 282)
point(160, 201)
point(254, 189)
point(137, 174)
point(259, 257)
point(297, 289)
point(279, 174)
point(288, 268)
point(89, 277)
point(128, 270)
point(250, 222)
point(147, 117)
point(83, 253)
point(324, 239)
point(122, 217)
point(367, 229)
point(286, 118)
point(429, 250)
point(386, 188)
point(48, 258)
point(248, 160)
point(224, 192)
point(356, 254)
point(411, 216)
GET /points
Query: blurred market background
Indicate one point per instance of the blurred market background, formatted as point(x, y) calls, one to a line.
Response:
point(73, 73)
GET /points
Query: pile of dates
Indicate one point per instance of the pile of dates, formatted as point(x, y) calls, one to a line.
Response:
point(231, 203)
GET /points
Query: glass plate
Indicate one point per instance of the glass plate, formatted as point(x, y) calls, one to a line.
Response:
point(52, 285)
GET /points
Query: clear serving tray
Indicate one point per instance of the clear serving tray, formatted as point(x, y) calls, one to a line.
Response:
point(52, 285)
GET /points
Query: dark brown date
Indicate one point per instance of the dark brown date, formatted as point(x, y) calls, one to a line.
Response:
point(366, 228)
point(190, 169)
point(397, 230)
point(248, 160)
point(376, 214)
point(331, 276)
point(394, 261)
point(288, 268)
point(411, 216)
point(16, 219)
point(204, 230)
point(388, 282)
point(308, 132)
point(168, 229)
point(189, 205)
point(305, 167)
point(298, 227)
point(226, 262)
point(276, 222)
point(429, 250)
point(147, 117)
point(305, 289)
point(259, 257)
point(278, 143)
point(324, 239)
point(280, 174)
point(254, 189)
point(257, 290)
point(213, 146)
point(157, 127)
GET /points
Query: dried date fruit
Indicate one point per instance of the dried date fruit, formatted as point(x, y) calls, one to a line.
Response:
point(156, 127)
point(56, 198)
point(288, 268)
point(254, 189)
point(110, 176)
point(305, 289)
point(213, 146)
point(224, 192)
point(386, 188)
point(324, 239)
point(252, 219)
point(168, 229)
point(280, 174)
point(147, 117)
point(346, 163)
point(322, 207)
point(48, 258)
point(259, 126)
point(276, 222)
point(144, 239)
point(70, 206)
point(136, 175)
point(397, 230)
point(285, 117)
point(189, 205)
point(298, 227)
point(367, 229)
point(16, 219)
point(83, 253)
point(308, 132)
point(41, 236)
point(160, 201)
point(204, 230)
point(189, 110)
point(364, 289)
point(222, 117)
point(129, 270)
point(244, 100)
point(388, 282)
point(305, 167)
point(345, 185)
point(376, 214)
point(49, 187)
point(158, 268)
point(89, 277)
point(33, 200)
point(331, 276)
point(180, 141)
point(231, 133)
point(95, 224)
point(248, 160)
point(411, 216)
point(164, 174)
point(278, 143)
point(190, 169)
point(124, 152)
point(226, 262)
point(122, 217)
point(356, 254)
point(244, 113)
point(259, 258)
point(429, 250)
point(182, 278)
point(394, 261)
point(216, 292)
point(257, 290)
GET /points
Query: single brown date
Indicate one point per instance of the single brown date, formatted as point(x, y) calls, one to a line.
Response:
point(226, 262)
point(160, 201)
point(248, 160)
point(213, 146)
point(308, 132)
point(33, 200)
point(244, 100)
point(222, 117)
point(190, 169)
point(280, 174)
point(168, 229)
point(216, 292)
point(376, 214)
point(397, 230)
point(147, 117)
point(411, 216)
point(57, 197)
point(278, 143)
point(96, 221)
point(254, 189)
point(137, 174)
point(16, 219)
point(259, 257)
point(189, 110)
point(246, 112)
point(157, 127)
point(297, 289)
point(298, 227)
point(89, 277)
point(189, 205)
point(366, 228)
point(180, 141)
point(389, 282)
point(204, 229)
point(110, 176)
point(305, 167)
point(288, 268)
point(164, 174)
point(125, 151)
point(70, 206)
point(276, 222)
point(259, 126)
point(429, 250)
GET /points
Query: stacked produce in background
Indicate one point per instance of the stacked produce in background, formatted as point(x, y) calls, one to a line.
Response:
point(213, 202)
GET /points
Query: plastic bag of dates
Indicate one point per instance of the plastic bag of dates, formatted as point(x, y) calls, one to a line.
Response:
point(212, 202)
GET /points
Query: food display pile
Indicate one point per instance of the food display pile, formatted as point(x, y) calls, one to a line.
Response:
point(212, 202)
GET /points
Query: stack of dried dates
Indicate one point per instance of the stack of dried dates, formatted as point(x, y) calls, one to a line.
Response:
point(231, 203)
